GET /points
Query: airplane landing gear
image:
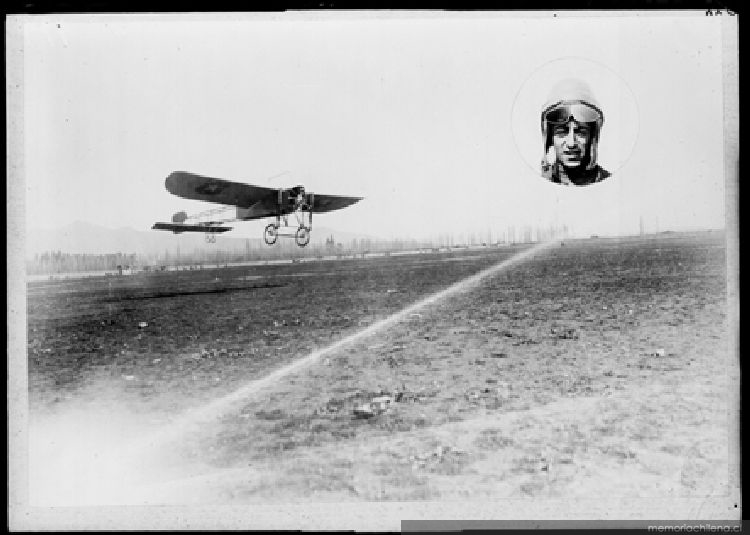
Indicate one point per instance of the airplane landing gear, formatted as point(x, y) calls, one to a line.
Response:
point(300, 205)
point(302, 237)
point(271, 234)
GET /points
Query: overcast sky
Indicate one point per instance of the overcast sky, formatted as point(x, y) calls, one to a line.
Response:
point(433, 118)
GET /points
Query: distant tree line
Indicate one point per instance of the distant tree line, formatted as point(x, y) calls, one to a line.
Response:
point(213, 254)
point(59, 262)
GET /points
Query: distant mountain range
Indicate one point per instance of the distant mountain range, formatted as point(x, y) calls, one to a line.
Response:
point(86, 238)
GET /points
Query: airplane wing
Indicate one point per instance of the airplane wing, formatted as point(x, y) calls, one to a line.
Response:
point(204, 188)
point(329, 203)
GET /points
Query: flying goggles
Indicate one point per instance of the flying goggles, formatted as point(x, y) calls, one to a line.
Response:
point(567, 110)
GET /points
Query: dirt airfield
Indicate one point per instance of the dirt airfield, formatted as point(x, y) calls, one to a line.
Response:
point(591, 367)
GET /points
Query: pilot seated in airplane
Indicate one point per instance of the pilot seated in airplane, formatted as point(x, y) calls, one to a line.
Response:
point(571, 126)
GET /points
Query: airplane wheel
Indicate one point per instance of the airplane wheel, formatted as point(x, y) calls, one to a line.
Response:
point(270, 234)
point(302, 237)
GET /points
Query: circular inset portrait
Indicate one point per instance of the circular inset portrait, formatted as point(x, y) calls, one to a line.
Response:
point(575, 122)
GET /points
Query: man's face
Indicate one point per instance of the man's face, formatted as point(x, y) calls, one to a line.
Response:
point(571, 143)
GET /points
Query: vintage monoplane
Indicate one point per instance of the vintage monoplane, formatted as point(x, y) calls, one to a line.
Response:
point(251, 202)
